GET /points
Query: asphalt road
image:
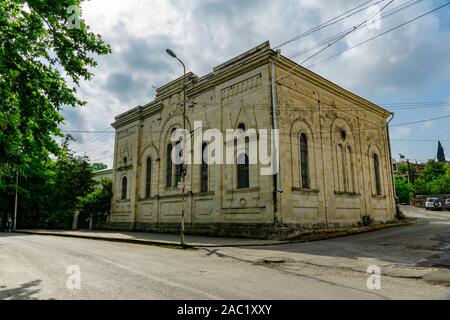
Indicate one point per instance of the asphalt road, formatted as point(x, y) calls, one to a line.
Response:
point(413, 262)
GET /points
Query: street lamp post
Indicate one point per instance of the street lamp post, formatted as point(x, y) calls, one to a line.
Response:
point(15, 202)
point(183, 166)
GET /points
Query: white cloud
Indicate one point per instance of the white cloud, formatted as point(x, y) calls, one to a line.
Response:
point(401, 132)
point(207, 32)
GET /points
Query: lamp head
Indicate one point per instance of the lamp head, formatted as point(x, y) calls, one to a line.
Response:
point(171, 53)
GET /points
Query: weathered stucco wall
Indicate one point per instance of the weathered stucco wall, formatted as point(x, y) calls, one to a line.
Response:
point(341, 186)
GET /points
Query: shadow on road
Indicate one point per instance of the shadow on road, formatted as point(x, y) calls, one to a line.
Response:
point(11, 234)
point(25, 291)
point(424, 244)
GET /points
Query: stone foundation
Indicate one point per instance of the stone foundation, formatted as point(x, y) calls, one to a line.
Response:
point(230, 230)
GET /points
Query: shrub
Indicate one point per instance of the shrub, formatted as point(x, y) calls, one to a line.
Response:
point(399, 214)
point(404, 190)
point(366, 220)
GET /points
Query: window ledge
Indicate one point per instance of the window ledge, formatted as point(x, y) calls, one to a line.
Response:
point(126, 167)
point(305, 191)
point(149, 199)
point(347, 194)
point(377, 196)
point(204, 194)
point(243, 190)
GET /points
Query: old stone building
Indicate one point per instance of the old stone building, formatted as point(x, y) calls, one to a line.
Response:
point(334, 154)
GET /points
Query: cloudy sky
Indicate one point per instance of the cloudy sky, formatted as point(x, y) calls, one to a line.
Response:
point(406, 70)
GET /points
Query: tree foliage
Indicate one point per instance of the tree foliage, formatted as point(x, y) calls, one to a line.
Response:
point(42, 61)
point(440, 153)
point(51, 190)
point(434, 179)
point(98, 202)
point(404, 189)
point(99, 166)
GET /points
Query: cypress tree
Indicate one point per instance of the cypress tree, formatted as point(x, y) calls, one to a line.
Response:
point(440, 153)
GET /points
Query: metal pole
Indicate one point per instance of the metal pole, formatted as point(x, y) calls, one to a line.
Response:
point(183, 168)
point(15, 203)
point(183, 164)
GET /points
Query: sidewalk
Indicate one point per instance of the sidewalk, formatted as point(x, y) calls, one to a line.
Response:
point(202, 241)
point(154, 238)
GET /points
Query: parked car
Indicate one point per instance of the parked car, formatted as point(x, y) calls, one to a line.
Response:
point(433, 204)
point(447, 204)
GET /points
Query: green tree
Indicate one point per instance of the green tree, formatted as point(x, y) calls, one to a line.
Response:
point(433, 170)
point(441, 185)
point(403, 168)
point(98, 202)
point(434, 179)
point(50, 189)
point(42, 61)
point(441, 153)
point(404, 189)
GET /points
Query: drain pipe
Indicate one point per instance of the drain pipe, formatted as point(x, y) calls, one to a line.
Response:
point(275, 150)
point(275, 125)
point(390, 160)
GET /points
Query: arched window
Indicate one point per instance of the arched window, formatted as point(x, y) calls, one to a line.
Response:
point(204, 169)
point(241, 126)
point(341, 168)
point(350, 175)
point(169, 166)
point(243, 176)
point(304, 169)
point(148, 178)
point(178, 167)
point(376, 168)
point(124, 188)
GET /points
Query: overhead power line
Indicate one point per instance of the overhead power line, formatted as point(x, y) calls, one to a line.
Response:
point(378, 35)
point(356, 27)
point(383, 16)
point(420, 121)
point(330, 22)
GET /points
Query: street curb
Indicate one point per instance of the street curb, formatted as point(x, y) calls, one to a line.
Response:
point(301, 239)
point(353, 231)
point(132, 241)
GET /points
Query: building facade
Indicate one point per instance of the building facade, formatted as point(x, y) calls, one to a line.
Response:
point(334, 152)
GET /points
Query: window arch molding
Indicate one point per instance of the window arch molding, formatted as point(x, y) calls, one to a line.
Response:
point(172, 123)
point(376, 174)
point(344, 150)
point(152, 153)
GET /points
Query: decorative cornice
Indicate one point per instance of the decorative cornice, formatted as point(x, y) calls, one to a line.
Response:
point(249, 60)
point(321, 82)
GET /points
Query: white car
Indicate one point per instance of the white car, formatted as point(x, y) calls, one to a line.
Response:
point(433, 204)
